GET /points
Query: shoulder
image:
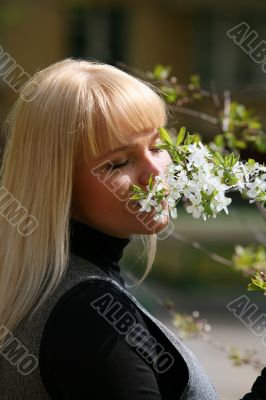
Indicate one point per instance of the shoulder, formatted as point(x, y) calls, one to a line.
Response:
point(84, 338)
point(89, 295)
point(89, 310)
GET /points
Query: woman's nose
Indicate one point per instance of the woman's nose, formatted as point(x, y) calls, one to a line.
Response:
point(148, 168)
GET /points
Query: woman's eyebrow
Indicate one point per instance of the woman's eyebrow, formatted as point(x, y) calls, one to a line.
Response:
point(129, 146)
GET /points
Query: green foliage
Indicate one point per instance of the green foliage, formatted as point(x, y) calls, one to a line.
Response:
point(244, 357)
point(180, 136)
point(244, 128)
point(190, 325)
point(177, 149)
point(170, 94)
point(138, 193)
point(194, 82)
point(239, 127)
point(150, 182)
point(161, 72)
point(227, 162)
point(165, 136)
point(258, 283)
point(172, 91)
point(250, 260)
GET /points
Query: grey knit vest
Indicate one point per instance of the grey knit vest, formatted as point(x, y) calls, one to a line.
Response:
point(20, 377)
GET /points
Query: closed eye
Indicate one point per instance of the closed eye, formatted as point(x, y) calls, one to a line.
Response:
point(119, 165)
point(123, 164)
point(155, 150)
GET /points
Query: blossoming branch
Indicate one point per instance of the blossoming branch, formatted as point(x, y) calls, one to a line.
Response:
point(200, 176)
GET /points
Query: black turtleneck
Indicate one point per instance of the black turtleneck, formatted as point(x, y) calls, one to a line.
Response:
point(98, 247)
point(82, 356)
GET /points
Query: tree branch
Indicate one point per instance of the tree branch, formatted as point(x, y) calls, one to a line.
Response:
point(193, 113)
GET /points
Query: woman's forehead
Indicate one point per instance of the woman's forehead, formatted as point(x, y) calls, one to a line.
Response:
point(128, 141)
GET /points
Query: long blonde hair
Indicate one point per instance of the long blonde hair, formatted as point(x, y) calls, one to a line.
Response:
point(63, 109)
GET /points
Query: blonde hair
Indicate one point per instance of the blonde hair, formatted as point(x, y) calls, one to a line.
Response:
point(63, 109)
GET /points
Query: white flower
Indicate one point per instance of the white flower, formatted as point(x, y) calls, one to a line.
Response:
point(173, 212)
point(147, 204)
point(161, 215)
point(222, 202)
point(195, 209)
point(197, 178)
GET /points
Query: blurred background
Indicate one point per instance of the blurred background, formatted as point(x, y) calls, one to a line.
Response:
point(190, 36)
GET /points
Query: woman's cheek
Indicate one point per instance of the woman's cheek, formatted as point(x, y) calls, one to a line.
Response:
point(164, 160)
point(119, 188)
point(167, 157)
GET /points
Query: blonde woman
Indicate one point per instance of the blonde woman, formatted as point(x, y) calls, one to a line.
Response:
point(69, 328)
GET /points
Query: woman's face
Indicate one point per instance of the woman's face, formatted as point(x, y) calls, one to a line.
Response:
point(101, 188)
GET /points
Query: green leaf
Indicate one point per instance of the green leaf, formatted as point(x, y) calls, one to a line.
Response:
point(189, 139)
point(240, 144)
point(252, 287)
point(169, 93)
point(261, 143)
point(176, 158)
point(181, 136)
point(257, 283)
point(197, 138)
point(219, 140)
point(219, 158)
point(136, 188)
point(251, 162)
point(161, 72)
point(165, 136)
point(150, 182)
point(254, 124)
point(194, 82)
point(135, 197)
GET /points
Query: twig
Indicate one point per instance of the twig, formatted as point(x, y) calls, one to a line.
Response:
point(227, 103)
point(215, 99)
point(261, 209)
point(198, 246)
point(197, 114)
point(258, 235)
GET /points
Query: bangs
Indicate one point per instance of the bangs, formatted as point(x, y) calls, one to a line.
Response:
point(120, 106)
